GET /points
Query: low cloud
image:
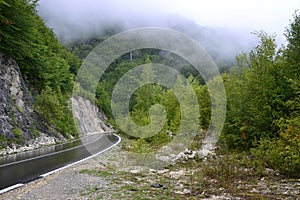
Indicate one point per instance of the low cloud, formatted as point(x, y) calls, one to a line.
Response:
point(81, 19)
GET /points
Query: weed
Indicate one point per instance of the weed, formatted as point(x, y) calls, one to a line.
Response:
point(96, 173)
point(18, 135)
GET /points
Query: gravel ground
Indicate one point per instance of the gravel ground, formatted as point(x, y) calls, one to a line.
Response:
point(65, 184)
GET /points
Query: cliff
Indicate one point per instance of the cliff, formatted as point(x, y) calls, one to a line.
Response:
point(88, 117)
point(19, 123)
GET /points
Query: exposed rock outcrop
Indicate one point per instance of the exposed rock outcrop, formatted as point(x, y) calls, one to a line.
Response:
point(17, 118)
point(41, 141)
point(89, 118)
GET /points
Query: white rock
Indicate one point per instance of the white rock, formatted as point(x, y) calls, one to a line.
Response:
point(177, 175)
point(163, 171)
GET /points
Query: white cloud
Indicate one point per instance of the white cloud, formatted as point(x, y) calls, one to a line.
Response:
point(243, 15)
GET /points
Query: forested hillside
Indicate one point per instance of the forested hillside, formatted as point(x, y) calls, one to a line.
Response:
point(262, 90)
point(46, 66)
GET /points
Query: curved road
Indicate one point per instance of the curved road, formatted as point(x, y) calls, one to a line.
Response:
point(36, 164)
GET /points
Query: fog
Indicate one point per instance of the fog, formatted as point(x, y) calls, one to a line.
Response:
point(223, 27)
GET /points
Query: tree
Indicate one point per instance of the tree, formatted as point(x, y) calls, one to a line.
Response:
point(253, 96)
point(293, 63)
point(292, 34)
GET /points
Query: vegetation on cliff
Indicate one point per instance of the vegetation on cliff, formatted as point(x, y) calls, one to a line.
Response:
point(47, 67)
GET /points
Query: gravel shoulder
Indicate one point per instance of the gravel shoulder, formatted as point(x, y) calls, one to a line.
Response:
point(64, 184)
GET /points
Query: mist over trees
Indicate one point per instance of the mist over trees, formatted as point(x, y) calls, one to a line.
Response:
point(262, 91)
point(85, 23)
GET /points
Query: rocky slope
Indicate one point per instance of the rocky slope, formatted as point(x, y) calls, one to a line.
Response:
point(89, 118)
point(19, 123)
point(21, 128)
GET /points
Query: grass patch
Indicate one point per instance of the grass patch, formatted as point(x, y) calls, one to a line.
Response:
point(88, 190)
point(99, 173)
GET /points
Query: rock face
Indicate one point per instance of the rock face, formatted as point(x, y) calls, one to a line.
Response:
point(88, 117)
point(16, 105)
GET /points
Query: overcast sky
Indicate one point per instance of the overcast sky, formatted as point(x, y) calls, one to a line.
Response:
point(272, 15)
point(241, 15)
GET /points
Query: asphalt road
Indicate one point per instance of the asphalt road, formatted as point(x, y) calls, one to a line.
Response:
point(36, 164)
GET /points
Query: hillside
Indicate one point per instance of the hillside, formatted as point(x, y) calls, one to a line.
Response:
point(262, 97)
point(36, 77)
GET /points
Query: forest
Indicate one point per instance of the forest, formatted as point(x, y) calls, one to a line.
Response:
point(262, 87)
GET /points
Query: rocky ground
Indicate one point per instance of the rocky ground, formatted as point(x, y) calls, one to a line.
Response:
point(106, 177)
point(41, 141)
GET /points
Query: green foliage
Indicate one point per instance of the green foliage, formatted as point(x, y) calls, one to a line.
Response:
point(45, 64)
point(42, 59)
point(292, 34)
point(232, 167)
point(204, 101)
point(257, 97)
point(283, 153)
point(140, 146)
point(150, 94)
point(16, 30)
point(263, 102)
point(25, 38)
point(171, 104)
point(3, 141)
point(34, 131)
point(103, 99)
point(18, 135)
point(53, 107)
point(262, 91)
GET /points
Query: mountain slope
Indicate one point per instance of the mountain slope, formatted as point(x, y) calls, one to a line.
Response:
point(36, 76)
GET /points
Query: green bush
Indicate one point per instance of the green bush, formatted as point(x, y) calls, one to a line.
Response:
point(3, 141)
point(283, 153)
point(54, 109)
point(18, 135)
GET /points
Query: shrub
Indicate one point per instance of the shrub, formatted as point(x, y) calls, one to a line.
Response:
point(3, 141)
point(18, 135)
point(52, 105)
point(283, 153)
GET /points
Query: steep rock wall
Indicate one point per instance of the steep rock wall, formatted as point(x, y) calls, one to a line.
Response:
point(16, 105)
point(89, 118)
